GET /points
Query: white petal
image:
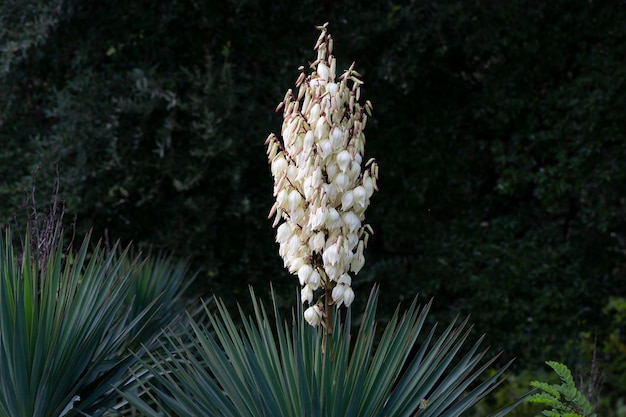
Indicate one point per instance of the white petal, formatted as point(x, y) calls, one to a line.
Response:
point(351, 221)
point(313, 315)
point(316, 243)
point(283, 233)
point(346, 200)
point(345, 279)
point(343, 160)
point(279, 165)
point(338, 294)
point(304, 272)
point(348, 296)
point(341, 182)
point(295, 200)
point(314, 280)
point(322, 71)
point(331, 255)
point(331, 88)
point(360, 195)
point(306, 294)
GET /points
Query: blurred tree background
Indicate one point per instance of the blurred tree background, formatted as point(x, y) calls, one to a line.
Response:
point(499, 127)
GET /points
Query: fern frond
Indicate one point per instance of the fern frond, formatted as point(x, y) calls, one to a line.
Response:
point(544, 386)
point(573, 404)
point(544, 398)
point(562, 371)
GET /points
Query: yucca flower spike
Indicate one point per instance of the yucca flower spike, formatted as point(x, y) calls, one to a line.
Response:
point(321, 187)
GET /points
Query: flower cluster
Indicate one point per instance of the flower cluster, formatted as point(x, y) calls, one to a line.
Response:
point(321, 185)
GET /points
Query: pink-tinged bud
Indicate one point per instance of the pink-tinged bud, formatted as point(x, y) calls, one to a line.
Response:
point(313, 315)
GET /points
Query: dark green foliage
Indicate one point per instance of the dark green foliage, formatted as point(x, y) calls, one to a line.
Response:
point(498, 127)
point(68, 324)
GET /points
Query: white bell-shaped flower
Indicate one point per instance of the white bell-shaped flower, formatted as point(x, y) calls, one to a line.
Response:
point(306, 294)
point(313, 315)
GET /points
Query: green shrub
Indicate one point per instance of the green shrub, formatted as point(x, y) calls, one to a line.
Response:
point(67, 325)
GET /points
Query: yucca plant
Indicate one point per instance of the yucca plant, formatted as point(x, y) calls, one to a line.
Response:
point(270, 368)
point(67, 327)
point(313, 366)
point(160, 277)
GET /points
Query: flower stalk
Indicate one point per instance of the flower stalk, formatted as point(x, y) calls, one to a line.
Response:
point(321, 186)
